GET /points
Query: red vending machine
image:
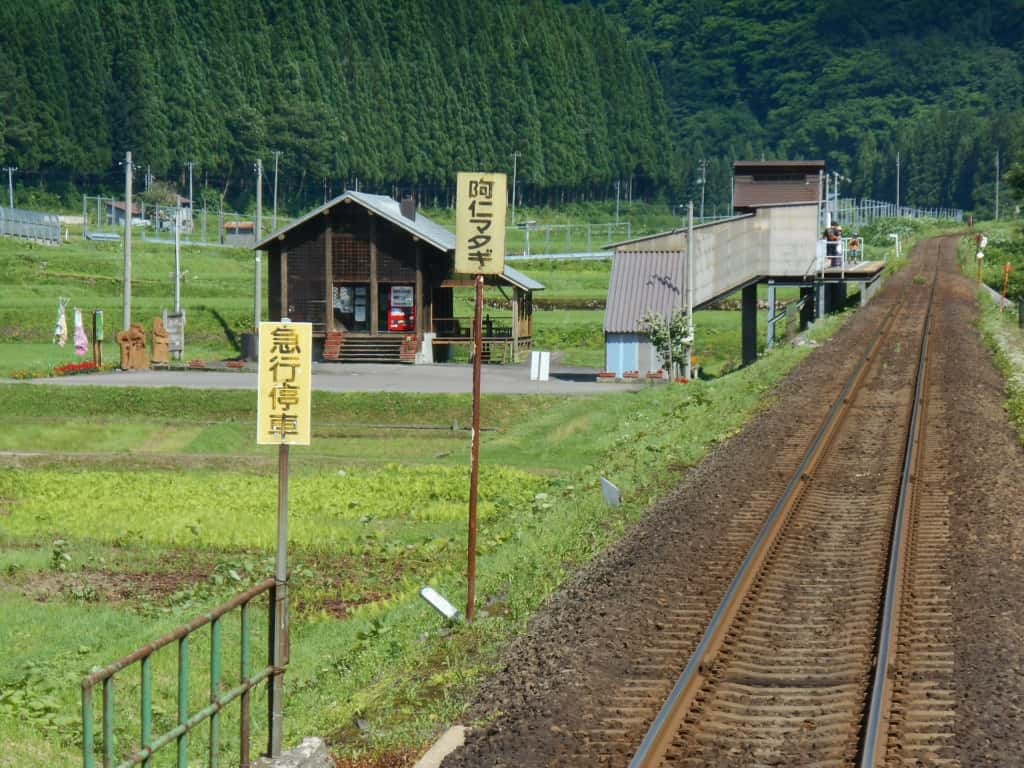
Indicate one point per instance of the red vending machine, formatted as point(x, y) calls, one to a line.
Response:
point(402, 309)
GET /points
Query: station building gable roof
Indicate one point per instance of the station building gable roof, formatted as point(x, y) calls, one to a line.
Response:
point(388, 208)
point(384, 206)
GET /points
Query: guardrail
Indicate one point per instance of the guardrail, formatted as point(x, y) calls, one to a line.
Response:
point(148, 743)
point(33, 225)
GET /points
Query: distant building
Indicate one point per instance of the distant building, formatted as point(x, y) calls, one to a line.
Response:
point(240, 233)
point(115, 213)
point(756, 184)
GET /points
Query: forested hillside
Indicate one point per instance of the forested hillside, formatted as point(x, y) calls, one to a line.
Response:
point(405, 93)
point(398, 93)
point(940, 81)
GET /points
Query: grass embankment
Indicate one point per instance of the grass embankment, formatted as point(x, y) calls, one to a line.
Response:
point(215, 289)
point(1001, 329)
point(94, 563)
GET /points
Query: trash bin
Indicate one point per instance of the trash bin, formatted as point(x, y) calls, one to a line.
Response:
point(251, 346)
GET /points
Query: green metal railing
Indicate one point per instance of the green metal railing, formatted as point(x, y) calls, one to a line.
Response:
point(149, 744)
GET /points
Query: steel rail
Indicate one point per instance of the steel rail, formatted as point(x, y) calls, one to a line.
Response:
point(661, 732)
point(872, 751)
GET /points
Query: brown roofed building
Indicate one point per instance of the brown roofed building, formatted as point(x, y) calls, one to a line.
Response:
point(756, 184)
point(375, 277)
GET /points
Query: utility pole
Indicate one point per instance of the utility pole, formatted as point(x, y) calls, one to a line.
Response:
point(703, 184)
point(687, 363)
point(191, 200)
point(257, 303)
point(10, 185)
point(997, 185)
point(515, 158)
point(177, 262)
point(897, 183)
point(126, 316)
point(617, 185)
point(273, 224)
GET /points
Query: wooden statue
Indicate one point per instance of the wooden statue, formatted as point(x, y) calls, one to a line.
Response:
point(133, 348)
point(161, 342)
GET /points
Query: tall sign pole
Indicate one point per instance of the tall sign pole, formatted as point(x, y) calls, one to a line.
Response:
point(474, 472)
point(126, 315)
point(479, 251)
point(283, 419)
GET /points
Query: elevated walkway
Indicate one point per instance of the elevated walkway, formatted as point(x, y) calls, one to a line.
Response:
point(777, 244)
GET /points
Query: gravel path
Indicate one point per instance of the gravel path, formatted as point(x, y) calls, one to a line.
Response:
point(560, 679)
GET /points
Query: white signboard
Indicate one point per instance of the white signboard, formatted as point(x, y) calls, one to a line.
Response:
point(540, 365)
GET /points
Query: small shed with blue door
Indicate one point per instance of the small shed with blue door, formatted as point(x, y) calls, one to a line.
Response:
point(642, 283)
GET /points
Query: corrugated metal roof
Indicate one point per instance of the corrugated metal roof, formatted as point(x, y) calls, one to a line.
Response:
point(642, 282)
point(385, 207)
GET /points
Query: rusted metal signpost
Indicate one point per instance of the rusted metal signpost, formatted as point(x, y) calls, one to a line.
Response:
point(283, 419)
point(479, 250)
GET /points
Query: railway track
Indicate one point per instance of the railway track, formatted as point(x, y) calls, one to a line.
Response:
point(832, 645)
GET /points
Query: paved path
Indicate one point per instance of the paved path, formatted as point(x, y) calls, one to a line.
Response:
point(332, 377)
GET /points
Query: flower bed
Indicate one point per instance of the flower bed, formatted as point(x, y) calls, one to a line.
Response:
point(70, 369)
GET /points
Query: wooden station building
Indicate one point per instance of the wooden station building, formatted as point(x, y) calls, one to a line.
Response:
point(374, 277)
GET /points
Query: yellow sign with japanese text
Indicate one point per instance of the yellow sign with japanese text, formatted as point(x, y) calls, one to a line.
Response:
point(480, 203)
point(285, 384)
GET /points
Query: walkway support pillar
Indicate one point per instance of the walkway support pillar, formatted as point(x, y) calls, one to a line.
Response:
point(749, 324)
point(807, 310)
